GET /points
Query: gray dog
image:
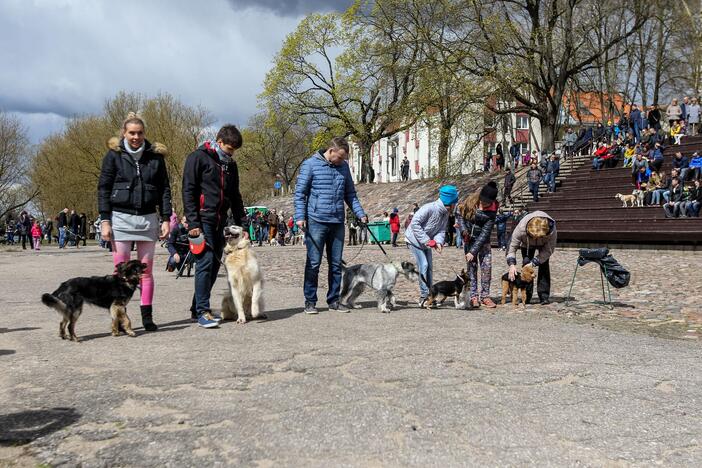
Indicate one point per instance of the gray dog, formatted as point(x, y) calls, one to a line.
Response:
point(379, 276)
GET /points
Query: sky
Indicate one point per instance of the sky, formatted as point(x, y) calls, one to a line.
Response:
point(64, 58)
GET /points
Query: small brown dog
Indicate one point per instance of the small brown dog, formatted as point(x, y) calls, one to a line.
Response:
point(518, 286)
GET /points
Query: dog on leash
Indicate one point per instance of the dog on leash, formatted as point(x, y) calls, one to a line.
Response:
point(636, 198)
point(380, 277)
point(111, 292)
point(518, 286)
point(245, 298)
point(444, 289)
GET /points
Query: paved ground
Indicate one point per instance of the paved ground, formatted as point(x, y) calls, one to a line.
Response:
point(549, 386)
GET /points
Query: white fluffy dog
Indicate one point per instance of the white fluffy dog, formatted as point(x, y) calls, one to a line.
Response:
point(244, 276)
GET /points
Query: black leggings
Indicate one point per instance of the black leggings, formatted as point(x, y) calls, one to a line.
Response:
point(543, 282)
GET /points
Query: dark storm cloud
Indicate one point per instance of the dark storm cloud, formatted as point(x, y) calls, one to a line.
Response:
point(294, 7)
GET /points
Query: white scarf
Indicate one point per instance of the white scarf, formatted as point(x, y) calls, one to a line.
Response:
point(135, 153)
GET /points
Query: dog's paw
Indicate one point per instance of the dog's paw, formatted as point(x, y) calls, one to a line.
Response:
point(357, 306)
point(116, 333)
point(261, 317)
point(241, 320)
point(131, 333)
point(75, 339)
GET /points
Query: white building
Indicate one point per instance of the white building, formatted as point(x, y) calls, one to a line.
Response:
point(470, 144)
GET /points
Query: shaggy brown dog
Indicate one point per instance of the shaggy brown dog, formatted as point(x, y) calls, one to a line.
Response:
point(109, 292)
point(518, 286)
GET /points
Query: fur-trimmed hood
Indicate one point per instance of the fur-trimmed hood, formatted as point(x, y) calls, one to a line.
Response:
point(115, 144)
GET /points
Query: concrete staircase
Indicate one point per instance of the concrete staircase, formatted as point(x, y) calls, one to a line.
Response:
point(586, 210)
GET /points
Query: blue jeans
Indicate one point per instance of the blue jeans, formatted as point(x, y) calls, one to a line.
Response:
point(666, 196)
point(656, 197)
point(534, 189)
point(62, 237)
point(597, 164)
point(329, 237)
point(550, 180)
point(207, 268)
point(459, 238)
point(425, 267)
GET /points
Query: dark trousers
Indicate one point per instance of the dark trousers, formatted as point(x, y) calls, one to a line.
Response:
point(449, 236)
point(534, 189)
point(24, 238)
point(394, 238)
point(501, 238)
point(543, 282)
point(352, 236)
point(207, 268)
point(507, 194)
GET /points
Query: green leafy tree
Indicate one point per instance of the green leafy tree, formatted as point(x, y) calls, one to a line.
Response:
point(354, 73)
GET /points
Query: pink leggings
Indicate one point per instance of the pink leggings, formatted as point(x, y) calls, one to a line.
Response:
point(121, 252)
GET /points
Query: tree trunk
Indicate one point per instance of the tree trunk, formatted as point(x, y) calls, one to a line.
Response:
point(366, 165)
point(443, 156)
point(548, 134)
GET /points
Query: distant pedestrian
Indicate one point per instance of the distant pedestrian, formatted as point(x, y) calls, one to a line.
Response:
point(534, 176)
point(508, 184)
point(62, 225)
point(394, 226)
point(36, 235)
point(24, 226)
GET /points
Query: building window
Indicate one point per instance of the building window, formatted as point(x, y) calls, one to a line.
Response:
point(522, 122)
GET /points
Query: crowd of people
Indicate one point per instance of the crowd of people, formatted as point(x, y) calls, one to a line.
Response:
point(638, 141)
point(67, 229)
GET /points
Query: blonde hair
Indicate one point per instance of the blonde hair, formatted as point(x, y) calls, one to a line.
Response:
point(469, 206)
point(537, 227)
point(133, 118)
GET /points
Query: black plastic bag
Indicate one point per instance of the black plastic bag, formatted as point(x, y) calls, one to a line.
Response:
point(617, 275)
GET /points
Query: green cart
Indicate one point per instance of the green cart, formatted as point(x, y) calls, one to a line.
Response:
point(381, 231)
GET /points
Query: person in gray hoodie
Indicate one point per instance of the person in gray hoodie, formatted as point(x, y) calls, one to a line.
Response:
point(535, 232)
point(426, 232)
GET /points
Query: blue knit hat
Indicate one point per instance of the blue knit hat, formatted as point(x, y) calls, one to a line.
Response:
point(448, 194)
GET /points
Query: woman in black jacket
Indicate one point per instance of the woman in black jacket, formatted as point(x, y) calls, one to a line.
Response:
point(133, 194)
point(476, 218)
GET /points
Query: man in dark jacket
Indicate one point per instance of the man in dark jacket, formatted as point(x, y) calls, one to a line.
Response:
point(654, 118)
point(210, 189)
point(49, 229)
point(534, 176)
point(682, 164)
point(508, 184)
point(323, 186)
point(82, 228)
point(672, 207)
point(74, 222)
point(553, 167)
point(635, 122)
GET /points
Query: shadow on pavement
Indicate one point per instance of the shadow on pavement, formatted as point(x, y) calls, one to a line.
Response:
point(7, 352)
point(139, 331)
point(26, 426)
point(10, 330)
point(282, 314)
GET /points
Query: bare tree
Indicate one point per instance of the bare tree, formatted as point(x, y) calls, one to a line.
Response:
point(15, 154)
point(542, 46)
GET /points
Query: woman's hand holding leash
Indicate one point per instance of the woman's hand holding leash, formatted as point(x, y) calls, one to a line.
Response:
point(194, 232)
point(512, 272)
point(469, 257)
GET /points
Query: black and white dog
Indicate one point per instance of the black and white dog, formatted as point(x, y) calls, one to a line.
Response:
point(378, 276)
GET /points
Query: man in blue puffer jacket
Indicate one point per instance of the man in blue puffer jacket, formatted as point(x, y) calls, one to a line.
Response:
point(323, 185)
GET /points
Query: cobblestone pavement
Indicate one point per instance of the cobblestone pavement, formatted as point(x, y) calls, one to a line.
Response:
point(555, 385)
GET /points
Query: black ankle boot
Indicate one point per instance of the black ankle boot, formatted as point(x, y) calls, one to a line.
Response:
point(147, 318)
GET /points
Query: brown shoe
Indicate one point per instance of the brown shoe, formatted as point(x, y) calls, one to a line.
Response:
point(474, 303)
point(487, 302)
